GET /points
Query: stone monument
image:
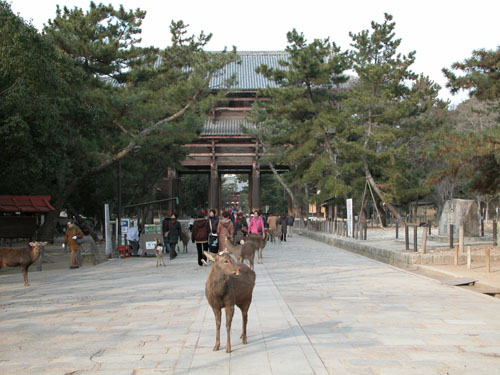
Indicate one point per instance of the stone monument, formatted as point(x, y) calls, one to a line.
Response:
point(458, 211)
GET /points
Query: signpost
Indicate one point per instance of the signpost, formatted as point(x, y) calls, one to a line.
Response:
point(107, 229)
point(349, 217)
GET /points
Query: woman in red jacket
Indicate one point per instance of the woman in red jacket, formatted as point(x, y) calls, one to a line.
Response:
point(199, 235)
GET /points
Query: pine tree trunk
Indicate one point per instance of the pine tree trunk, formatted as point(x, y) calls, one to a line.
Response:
point(287, 188)
point(375, 188)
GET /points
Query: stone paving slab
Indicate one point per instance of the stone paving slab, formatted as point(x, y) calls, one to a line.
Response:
point(316, 310)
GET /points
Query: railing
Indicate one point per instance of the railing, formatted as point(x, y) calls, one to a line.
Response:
point(338, 227)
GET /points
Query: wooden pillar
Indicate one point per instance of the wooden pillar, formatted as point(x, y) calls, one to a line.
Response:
point(213, 188)
point(250, 188)
point(220, 204)
point(255, 192)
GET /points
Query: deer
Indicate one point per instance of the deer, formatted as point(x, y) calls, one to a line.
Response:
point(275, 234)
point(244, 252)
point(185, 240)
point(159, 252)
point(259, 239)
point(228, 284)
point(21, 257)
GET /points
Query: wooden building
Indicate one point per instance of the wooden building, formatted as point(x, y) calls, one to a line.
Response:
point(223, 146)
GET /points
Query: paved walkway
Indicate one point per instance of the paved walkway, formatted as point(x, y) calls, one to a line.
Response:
point(316, 310)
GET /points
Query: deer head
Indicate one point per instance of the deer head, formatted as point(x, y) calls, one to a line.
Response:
point(37, 246)
point(224, 262)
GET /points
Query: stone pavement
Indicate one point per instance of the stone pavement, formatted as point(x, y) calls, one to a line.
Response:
point(316, 310)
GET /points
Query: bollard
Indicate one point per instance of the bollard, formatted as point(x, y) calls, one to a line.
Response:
point(461, 238)
point(469, 258)
point(415, 238)
point(487, 259)
point(397, 229)
point(366, 230)
point(407, 240)
point(424, 240)
point(451, 236)
point(495, 233)
point(456, 255)
point(482, 227)
point(430, 228)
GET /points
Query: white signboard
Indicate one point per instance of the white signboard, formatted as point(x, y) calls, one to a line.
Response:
point(150, 245)
point(348, 203)
point(125, 225)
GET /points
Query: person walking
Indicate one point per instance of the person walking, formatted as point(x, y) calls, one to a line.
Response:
point(271, 222)
point(241, 225)
point(174, 234)
point(225, 229)
point(289, 221)
point(256, 224)
point(73, 234)
point(133, 239)
point(283, 222)
point(213, 222)
point(165, 225)
point(199, 235)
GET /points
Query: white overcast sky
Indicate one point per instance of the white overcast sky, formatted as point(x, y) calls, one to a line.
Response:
point(440, 31)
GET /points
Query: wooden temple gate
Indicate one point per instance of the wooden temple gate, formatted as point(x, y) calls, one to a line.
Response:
point(224, 147)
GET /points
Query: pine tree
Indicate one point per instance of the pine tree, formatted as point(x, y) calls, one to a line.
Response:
point(392, 109)
point(302, 126)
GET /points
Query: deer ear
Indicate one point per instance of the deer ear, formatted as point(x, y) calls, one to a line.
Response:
point(242, 242)
point(44, 243)
point(32, 244)
point(210, 256)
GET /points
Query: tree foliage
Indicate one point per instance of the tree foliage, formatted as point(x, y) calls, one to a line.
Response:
point(84, 95)
point(470, 150)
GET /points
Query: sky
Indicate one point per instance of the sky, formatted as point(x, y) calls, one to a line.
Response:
point(440, 31)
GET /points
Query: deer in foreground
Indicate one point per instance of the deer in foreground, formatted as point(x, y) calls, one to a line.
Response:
point(228, 284)
point(261, 240)
point(17, 256)
point(246, 251)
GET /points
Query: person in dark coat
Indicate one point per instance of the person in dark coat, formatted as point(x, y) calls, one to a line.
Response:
point(213, 222)
point(165, 225)
point(199, 235)
point(241, 224)
point(289, 221)
point(283, 222)
point(174, 234)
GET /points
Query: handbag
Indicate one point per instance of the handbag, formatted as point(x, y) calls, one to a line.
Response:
point(79, 241)
point(212, 239)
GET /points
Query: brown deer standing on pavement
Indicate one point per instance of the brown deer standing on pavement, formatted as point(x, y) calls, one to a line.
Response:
point(228, 284)
point(261, 240)
point(18, 256)
point(245, 251)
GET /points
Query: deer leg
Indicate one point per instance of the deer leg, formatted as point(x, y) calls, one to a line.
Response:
point(251, 260)
point(25, 275)
point(229, 318)
point(260, 256)
point(218, 316)
point(244, 314)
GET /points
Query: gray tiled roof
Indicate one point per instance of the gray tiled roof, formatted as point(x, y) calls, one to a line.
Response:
point(225, 126)
point(244, 69)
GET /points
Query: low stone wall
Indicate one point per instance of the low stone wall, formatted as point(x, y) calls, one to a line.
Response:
point(404, 259)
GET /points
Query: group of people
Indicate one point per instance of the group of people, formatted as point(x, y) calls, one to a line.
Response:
point(210, 233)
